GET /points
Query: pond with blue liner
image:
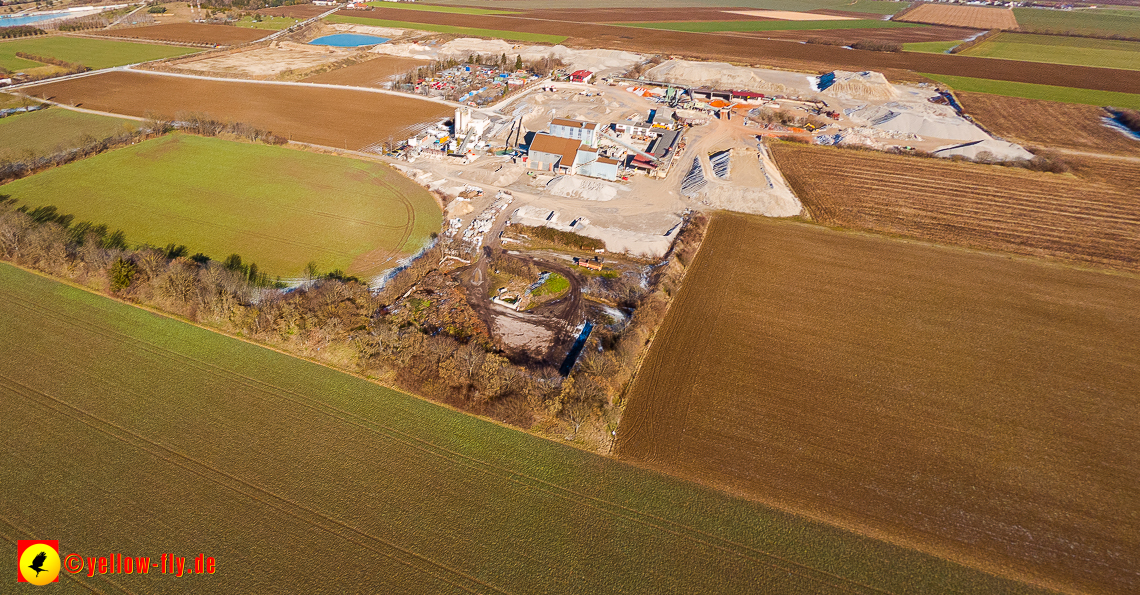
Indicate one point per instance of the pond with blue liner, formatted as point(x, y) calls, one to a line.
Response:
point(11, 21)
point(348, 40)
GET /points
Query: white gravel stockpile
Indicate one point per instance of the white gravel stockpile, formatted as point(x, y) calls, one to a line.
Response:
point(719, 75)
point(859, 85)
point(583, 188)
point(929, 120)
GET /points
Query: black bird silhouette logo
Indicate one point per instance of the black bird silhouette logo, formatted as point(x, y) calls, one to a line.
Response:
point(38, 563)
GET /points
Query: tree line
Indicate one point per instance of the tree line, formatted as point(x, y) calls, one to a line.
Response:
point(29, 162)
point(340, 321)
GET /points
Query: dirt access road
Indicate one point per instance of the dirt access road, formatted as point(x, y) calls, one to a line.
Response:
point(556, 318)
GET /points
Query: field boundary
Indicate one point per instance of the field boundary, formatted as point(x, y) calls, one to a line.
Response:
point(246, 81)
point(1037, 91)
point(454, 29)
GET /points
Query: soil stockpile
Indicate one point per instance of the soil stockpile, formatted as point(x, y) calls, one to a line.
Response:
point(341, 118)
point(969, 405)
point(190, 33)
point(1090, 218)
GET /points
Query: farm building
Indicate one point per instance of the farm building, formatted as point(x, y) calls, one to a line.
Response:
point(581, 76)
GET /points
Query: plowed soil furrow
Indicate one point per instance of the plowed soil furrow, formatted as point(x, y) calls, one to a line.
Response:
point(342, 118)
point(1048, 123)
point(963, 403)
point(1082, 218)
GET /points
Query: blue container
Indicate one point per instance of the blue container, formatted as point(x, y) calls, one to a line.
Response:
point(348, 40)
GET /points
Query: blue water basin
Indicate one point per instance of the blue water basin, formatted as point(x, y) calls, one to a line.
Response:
point(11, 21)
point(348, 40)
point(28, 20)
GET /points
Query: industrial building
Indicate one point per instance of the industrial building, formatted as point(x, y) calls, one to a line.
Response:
point(571, 148)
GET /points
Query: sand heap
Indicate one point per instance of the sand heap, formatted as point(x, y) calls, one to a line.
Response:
point(719, 75)
point(927, 120)
point(500, 175)
point(592, 60)
point(856, 85)
point(583, 188)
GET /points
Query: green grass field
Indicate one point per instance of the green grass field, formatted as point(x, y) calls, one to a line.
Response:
point(43, 131)
point(1054, 49)
point(267, 23)
point(8, 100)
point(511, 35)
point(277, 207)
point(125, 431)
point(554, 285)
point(447, 9)
point(93, 53)
point(713, 26)
point(930, 47)
point(1113, 21)
point(1044, 92)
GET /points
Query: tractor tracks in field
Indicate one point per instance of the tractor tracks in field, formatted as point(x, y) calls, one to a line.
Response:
point(318, 519)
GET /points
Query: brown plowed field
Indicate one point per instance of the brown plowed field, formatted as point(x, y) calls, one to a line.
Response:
point(1047, 123)
point(908, 35)
point(969, 405)
point(190, 33)
point(975, 17)
point(784, 54)
point(1080, 218)
point(341, 118)
point(373, 73)
point(642, 15)
point(298, 11)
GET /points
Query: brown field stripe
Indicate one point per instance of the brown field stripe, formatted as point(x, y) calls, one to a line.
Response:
point(1004, 202)
point(308, 516)
point(459, 459)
